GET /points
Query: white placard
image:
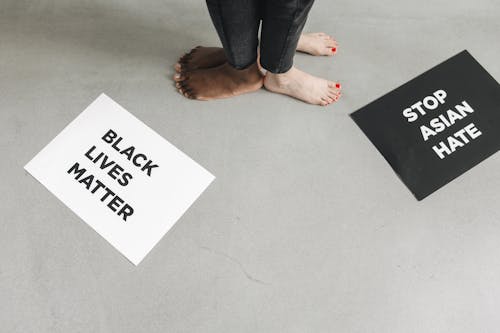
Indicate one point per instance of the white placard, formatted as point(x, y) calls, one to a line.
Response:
point(121, 177)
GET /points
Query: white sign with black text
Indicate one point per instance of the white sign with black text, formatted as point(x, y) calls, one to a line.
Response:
point(121, 177)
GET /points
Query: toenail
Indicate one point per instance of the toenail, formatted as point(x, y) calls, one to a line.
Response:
point(337, 85)
point(334, 49)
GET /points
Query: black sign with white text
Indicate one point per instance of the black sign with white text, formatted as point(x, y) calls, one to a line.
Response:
point(438, 125)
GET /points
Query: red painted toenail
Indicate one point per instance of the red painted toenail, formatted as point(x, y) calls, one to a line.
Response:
point(334, 49)
point(337, 85)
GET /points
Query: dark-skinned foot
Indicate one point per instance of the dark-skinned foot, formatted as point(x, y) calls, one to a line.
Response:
point(201, 57)
point(218, 82)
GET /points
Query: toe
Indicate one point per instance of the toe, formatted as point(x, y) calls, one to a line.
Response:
point(179, 77)
point(184, 92)
point(194, 50)
point(334, 85)
point(183, 84)
point(185, 89)
point(333, 93)
point(331, 43)
point(178, 67)
point(189, 93)
point(192, 94)
point(183, 58)
point(333, 90)
point(186, 57)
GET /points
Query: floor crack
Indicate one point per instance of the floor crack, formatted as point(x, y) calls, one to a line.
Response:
point(237, 262)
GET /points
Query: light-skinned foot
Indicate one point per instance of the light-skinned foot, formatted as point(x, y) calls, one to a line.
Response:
point(318, 44)
point(218, 82)
point(303, 86)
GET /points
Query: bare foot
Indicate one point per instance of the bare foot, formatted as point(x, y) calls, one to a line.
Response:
point(201, 57)
point(303, 86)
point(317, 43)
point(218, 82)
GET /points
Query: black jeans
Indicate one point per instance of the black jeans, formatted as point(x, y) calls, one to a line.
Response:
point(237, 23)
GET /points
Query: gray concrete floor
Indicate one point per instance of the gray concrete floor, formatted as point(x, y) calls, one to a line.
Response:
point(306, 228)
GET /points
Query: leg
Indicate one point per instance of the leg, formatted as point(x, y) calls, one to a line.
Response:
point(282, 24)
point(237, 23)
point(315, 43)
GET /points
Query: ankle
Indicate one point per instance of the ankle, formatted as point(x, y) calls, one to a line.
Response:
point(253, 73)
point(281, 79)
point(303, 43)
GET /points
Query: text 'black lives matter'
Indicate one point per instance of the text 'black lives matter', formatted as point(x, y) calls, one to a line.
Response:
point(112, 169)
point(438, 125)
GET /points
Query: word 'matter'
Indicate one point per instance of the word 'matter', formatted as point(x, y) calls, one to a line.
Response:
point(443, 121)
point(94, 185)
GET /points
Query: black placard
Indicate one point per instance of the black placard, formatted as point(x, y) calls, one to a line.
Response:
point(438, 125)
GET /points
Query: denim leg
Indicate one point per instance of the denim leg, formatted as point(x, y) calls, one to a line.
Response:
point(237, 24)
point(282, 24)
